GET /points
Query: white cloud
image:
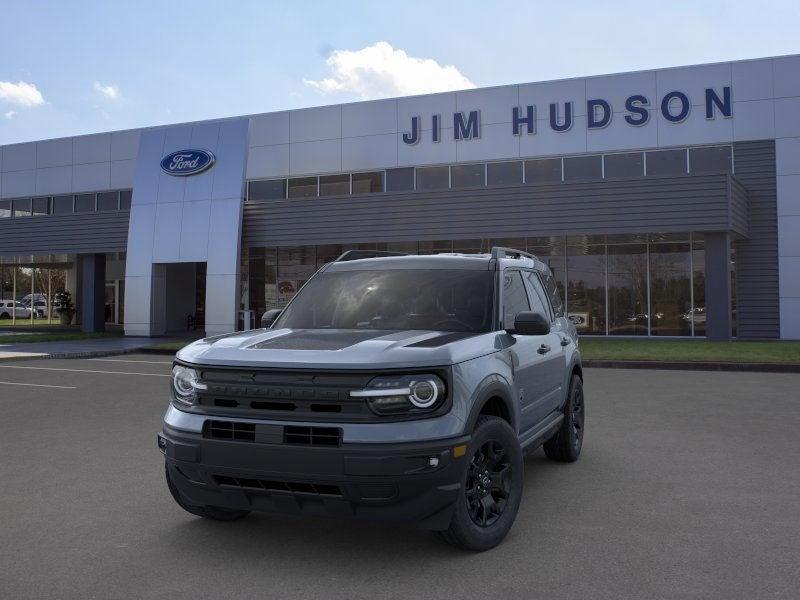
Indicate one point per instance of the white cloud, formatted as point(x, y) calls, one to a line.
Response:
point(109, 91)
point(380, 71)
point(10, 114)
point(20, 93)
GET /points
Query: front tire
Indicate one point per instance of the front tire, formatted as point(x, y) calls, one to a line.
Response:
point(491, 488)
point(215, 513)
point(566, 444)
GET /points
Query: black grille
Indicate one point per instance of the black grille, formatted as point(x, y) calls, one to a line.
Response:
point(312, 436)
point(317, 489)
point(231, 430)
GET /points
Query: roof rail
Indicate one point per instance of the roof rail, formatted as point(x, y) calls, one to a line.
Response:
point(359, 254)
point(501, 252)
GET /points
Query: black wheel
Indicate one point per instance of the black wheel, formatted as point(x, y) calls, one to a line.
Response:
point(216, 513)
point(491, 489)
point(5, 315)
point(565, 445)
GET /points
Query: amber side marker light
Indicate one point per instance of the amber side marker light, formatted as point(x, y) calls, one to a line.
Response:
point(459, 451)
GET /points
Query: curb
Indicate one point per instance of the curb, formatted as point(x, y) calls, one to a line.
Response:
point(693, 366)
point(159, 351)
point(62, 355)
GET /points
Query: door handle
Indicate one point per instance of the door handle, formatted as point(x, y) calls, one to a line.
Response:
point(543, 349)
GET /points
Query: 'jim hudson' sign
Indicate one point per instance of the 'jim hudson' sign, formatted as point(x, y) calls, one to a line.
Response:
point(675, 107)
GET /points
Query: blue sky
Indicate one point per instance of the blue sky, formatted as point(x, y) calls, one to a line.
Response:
point(69, 68)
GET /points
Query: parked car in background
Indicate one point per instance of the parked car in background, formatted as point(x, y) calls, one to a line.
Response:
point(39, 305)
point(14, 308)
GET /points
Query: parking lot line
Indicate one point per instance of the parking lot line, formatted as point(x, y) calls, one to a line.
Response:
point(85, 371)
point(61, 387)
point(122, 360)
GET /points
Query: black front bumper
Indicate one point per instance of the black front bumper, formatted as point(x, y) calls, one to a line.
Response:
point(412, 482)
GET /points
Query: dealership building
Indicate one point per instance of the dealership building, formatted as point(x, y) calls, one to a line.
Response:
point(666, 202)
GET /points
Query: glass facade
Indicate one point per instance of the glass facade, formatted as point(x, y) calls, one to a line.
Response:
point(636, 285)
point(39, 291)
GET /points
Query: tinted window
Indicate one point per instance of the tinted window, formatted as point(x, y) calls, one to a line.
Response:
point(22, 207)
point(710, 160)
point(394, 299)
point(125, 199)
point(334, 185)
point(5, 209)
point(468, 175)
point(41, 206)
point(271, 189)
point(303, 187)
point(515, 298)
point(551, 289)
point(504, 173)
point(108, 201)
point(84, 202)
point(666, 162)
point(62, 205)
point(367, 183)
point(433, 178)
point(630, 164)
point(543, 171)
point(537, 296)
point(400, 180)
point(577, 168)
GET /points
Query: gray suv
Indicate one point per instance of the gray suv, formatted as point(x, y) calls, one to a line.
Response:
point(392, 387)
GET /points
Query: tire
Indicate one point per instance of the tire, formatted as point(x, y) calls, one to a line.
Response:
point(494, 471)
point(216, 513)
point(566, 444)
point(5, 315)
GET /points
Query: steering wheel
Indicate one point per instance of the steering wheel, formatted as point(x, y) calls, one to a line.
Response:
point(461, 324)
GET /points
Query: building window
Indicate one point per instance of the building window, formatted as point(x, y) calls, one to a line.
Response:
point(271, 189)
point(5, 209)
point(434, 247)
point(666, 162)
point(504, 173)
point(713, 159)
point(400, 180)
point(41, 206)
point(303, 187)
point(627, 289)
point(463, 176)
point(107, 201)
point(84, 203)
point(62, 205)
point(580, 168)
point(22, 207)
point(125, 199)
point(670, 289)
point(629, 164)
point(334, 185)
point(586, 285)
point(433, 178)
point(547, 170)
point(367, 183)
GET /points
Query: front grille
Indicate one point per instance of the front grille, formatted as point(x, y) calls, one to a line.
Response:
point(312, 436)
point(231, 430)
point(266, 433)
point(316, 489)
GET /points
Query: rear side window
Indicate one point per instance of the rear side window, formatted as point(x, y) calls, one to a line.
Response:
point(537, 295)
point(552, 292)
point(515, 298)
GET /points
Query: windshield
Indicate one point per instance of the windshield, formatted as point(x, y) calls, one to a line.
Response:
point(438, 300)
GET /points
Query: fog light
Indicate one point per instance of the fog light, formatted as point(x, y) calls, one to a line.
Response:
point(162, 443)
point(433, 461)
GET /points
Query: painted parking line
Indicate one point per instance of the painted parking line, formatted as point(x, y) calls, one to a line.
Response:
point(122, 360)
point(85, 371)
point(61, 387)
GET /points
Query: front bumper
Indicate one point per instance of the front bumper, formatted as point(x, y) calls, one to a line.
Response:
point(412, 482)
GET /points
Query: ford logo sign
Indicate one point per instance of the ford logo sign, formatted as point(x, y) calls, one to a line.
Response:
point(187, 162)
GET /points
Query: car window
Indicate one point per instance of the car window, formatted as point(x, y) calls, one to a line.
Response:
point(537, 295)
point(515, 298)
point(552, 292)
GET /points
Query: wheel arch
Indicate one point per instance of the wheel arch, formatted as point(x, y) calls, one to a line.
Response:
point(494, 398)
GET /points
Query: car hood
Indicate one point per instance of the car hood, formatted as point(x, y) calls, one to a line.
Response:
point(339, 348)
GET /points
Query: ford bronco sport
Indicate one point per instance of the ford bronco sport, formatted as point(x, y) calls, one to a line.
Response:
point(391, 387)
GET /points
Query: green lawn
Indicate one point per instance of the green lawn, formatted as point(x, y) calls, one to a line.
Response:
point(52, 336)
point(171, 346)
point(690, 351)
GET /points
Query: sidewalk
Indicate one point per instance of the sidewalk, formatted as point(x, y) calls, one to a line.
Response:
point(79, 348)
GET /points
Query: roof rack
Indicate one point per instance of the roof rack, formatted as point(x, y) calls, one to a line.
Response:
point(359, 254)
point(501, 252)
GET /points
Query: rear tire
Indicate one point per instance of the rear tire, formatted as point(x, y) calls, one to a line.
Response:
point(566, 444)
point(216, 513)
point(491, 488)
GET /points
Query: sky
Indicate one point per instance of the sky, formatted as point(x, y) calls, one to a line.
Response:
point(85, 66)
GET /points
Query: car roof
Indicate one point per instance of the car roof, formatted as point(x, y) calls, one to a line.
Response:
point(445, 260)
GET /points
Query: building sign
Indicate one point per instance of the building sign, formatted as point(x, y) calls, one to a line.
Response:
point(187, 162)
point(674, 107)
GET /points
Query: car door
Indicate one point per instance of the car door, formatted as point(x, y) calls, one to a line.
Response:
point(528, 360)
point(557, 340)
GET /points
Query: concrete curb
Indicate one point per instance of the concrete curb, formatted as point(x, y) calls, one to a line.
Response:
point(692, 366)
point(61, 355)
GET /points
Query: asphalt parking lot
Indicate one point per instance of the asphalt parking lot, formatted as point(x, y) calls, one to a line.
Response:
point(689, 487)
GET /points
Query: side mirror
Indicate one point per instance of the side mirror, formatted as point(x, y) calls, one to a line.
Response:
point(531, 323)
point(269, 317)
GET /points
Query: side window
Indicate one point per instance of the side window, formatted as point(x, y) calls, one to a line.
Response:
point(552, 292)
point(538, 298)
point(515, 298)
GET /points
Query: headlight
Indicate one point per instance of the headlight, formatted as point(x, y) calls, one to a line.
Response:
point(185, 383)
point(403, 394)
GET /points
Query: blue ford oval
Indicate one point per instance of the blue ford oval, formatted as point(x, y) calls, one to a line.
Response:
point(187, 162)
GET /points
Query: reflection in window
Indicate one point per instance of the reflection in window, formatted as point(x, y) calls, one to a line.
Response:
point(400, 180)
point(296, 264)
point(107, 201)
point(303, 187)
point(629, 164)
point(504, 173)
point(41, 206)
point(547, 170)
point(580, 168)
point(670, 294)
point(435, 247)
point(84, 203)
point(666, 162)
point(586, 270)
point(270, 189)
point(367, 183)
point(515, 298)
point(627, 289)
point(470, 246)
point(699, 284)
point(22, 207)
point(468, 175)
point(550, 250)
point(433, 178)
point(334, 185)
point(5, 209)
point(711, 159)
point(62, 205)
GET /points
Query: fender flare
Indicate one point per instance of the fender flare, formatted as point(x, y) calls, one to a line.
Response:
point(492, 386)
